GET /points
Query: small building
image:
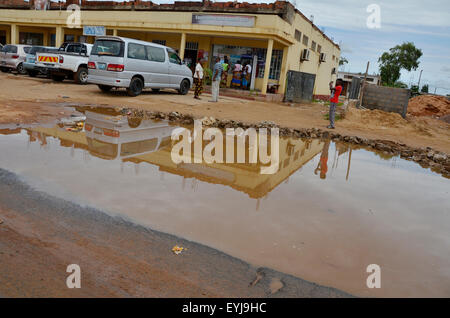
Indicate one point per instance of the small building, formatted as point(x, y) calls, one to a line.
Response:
point(347, 78)
point(273, 37)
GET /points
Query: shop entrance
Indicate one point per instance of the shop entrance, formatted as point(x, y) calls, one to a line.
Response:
point(190, 55)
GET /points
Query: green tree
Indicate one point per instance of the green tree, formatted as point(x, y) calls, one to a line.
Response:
point(343, 61)
point(405, 56)
point(424, 88)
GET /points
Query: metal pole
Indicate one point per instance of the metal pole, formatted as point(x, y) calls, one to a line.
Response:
point(420, 76)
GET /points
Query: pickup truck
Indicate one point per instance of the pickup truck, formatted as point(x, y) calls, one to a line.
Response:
point(69, 62)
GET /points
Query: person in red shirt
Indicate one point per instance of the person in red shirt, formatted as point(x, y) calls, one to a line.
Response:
point(334, 99)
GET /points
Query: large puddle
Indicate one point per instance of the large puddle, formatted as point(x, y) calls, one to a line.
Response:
point(325, 215)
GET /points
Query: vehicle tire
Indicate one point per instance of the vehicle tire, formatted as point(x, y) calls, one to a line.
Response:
point(20, 69)
point(32, 73)
point(81, 75)
point(156, 90)
point(105, 88)
point(136, 87)
point(58, 78)
point(184, 87)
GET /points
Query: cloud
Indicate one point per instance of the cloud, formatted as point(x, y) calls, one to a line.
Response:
point(445, 68)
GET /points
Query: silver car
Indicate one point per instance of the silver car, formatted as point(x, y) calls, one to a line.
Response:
point(135, 65)
point(13, 56)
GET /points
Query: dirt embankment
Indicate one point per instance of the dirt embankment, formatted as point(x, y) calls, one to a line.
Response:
point(429, 105)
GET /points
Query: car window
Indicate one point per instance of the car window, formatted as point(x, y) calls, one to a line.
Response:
point(27, 49)
point(155, 54)
point(136, 51)
point(10, 49)
point(74, 48)
point(108, 47)
point(173, 57)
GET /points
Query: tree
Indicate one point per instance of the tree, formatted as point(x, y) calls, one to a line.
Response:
point(405, 56)
point(424, 88)
point(343, 61)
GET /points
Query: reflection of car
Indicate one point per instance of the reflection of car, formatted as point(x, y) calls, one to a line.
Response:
point(12, 57)
point(30, 62)
point(135, 65)
point(111, 137)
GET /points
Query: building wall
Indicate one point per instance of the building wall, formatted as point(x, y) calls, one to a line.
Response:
point(157, 25)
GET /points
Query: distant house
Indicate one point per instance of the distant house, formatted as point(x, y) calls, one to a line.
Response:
point(347, 77)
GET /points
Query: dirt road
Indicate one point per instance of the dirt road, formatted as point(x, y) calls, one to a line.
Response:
point(25, 99)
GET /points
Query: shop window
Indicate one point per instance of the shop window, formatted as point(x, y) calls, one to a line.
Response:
point(313, 46)
point(31, 38)
point(305, 40)
point(275, 65)
point(160, 42)
point(298, 35)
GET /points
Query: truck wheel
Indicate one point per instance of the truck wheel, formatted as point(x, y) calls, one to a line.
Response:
point(81, 75)
point(58, 78)
point(20, 69)
point(184, 87)
point(136, 86)
point(105, 88)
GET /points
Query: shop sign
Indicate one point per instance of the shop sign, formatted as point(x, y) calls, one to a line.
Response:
point(94, 30)
point(224, 20)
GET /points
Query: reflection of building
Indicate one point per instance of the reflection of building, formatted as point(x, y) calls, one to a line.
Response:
point(273, 37)
point(294, 153)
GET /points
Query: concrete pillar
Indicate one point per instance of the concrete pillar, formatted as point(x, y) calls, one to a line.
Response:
point(59, 37)
point(284, 69)
point(115, 32)
point(8, 37)
point(267, 66)
point(182, 45)
point(46, 40)
point(14, 39)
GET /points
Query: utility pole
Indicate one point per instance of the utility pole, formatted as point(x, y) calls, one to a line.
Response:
point(420, 76)
point(363, 85)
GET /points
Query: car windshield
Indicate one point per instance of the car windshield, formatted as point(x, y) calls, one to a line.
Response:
point(108, 47)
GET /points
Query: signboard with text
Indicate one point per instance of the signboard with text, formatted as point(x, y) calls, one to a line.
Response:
point(224, 20)
point(94, 30)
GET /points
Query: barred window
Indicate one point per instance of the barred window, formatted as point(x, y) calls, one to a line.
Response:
point(160, 42)
point(313, 46)
point(191, 45)
point(305, 40)
point(298, 35)
point(275, 65)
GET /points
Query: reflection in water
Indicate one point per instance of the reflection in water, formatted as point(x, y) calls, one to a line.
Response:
point(323, 230)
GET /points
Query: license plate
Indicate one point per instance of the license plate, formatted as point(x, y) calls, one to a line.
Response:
point(98, 131)
point(101, 66)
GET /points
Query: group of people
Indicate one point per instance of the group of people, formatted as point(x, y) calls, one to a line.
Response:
point(219, 73)
point(241, 76)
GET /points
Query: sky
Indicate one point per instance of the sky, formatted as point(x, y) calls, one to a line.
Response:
point(425, 23)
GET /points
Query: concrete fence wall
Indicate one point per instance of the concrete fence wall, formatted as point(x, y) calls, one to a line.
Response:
point(389, 99)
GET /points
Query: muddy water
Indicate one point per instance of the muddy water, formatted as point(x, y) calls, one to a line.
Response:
point(325, 215)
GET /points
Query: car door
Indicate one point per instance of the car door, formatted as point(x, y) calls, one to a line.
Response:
point(158, 66)
point(137, 56)
point(175, 68)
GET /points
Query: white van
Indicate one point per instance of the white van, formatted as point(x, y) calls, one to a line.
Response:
point(135, 65)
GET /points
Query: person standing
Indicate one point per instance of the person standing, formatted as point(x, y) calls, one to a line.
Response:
point(216, 77)
point(334, 100)
point(247, 75)
point(225, 66)
point(198, 79)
